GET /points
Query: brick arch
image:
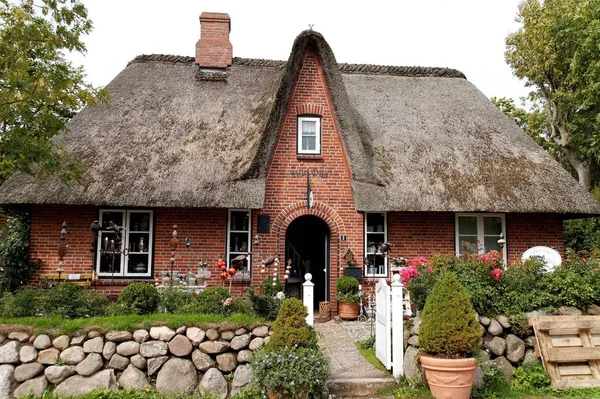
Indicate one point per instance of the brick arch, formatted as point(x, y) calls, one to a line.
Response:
point(320, 210)
point(310, 109)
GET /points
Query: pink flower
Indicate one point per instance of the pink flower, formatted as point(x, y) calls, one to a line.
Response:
point(496, 273)
point(227, 302)
point(429, 269)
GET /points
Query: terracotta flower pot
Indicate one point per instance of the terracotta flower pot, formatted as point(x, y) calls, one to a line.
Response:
point(348, 311)
point(449, 378)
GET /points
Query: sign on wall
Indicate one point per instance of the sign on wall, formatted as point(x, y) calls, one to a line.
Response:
point(547, 254)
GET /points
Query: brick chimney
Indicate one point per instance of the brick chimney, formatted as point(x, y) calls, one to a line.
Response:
point(214, 49)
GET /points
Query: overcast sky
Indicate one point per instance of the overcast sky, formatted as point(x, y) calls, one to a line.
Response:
point(464, 34)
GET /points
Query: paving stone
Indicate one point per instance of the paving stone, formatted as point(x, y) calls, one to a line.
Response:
point(42, 341)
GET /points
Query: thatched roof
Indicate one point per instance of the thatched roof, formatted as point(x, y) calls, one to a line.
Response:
point(418, 139)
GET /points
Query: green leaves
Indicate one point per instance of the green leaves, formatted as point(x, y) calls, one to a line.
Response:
point(556, 52)
point(39, 89)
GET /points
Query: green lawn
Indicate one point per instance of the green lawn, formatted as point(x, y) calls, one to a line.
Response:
point(57, 326)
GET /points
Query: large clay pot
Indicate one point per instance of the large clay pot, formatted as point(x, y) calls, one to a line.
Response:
point(449, 378)
point(348, 311)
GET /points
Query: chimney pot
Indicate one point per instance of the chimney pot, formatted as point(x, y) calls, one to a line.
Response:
point(214, 50)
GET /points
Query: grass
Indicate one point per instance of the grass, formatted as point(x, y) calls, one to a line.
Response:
point(369, 354)
point(57, 326)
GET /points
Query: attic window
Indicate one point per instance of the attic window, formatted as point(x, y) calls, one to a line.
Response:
point(309, 135)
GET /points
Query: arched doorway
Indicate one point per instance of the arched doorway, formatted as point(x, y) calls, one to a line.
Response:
point(307, 247)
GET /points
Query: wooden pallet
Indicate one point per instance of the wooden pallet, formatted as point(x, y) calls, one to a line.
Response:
point(570, 349)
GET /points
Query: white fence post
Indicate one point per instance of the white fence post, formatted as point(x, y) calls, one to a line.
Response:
point(308, 298)
point(397, 327)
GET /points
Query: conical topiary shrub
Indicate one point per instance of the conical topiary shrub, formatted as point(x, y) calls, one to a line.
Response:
point(290, 328)
point(448, 325)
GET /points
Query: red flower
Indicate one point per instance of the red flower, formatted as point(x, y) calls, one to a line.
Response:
point(496, 273)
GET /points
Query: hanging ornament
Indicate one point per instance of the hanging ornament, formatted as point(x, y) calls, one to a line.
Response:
point(262, 270)
point(286, 277)
point(232, 271)
point(224, 275)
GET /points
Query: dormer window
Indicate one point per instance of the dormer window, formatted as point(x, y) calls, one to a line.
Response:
point(309, 135)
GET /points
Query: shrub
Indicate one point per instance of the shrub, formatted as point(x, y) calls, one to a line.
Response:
point(175, 300)
point(212, 301)
point(14, 251)
point(23, 303)
point(265, 306)
point(69, 300)
point(528, 378)
point(267, 287)
point(346, 289)
point(448, 326)
point(290, 329)
point(241, 306)
point(140, 298)
point(292, 372)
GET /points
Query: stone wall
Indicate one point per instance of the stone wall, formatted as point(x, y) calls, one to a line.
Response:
point(187, 360)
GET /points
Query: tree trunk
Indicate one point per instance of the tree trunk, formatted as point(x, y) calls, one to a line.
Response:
point(583, 168)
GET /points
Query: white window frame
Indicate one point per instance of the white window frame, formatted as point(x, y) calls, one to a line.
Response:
point(366, 243)
point(124, 260)
point(480, 235)
point(317, 150)
point(249, 238)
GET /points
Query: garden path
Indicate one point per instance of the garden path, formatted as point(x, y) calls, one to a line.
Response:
point(350, 371)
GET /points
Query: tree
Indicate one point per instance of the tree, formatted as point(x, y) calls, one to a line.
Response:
point(39, 89)
point(556, 52)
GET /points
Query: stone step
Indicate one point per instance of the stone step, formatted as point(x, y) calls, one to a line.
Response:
point(360, 387)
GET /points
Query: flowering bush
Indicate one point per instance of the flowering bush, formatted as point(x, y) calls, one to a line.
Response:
point(522, 287)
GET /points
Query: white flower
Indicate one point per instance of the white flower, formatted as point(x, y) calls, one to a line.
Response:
point(280, 295)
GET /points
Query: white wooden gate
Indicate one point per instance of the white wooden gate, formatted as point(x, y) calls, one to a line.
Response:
point(389, 327)
point(383, 324)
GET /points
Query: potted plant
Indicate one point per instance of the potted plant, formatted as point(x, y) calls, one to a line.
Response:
point(346, 293)
point(291, 365)
point(449, 335)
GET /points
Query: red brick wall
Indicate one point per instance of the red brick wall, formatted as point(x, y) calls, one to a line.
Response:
point(525, 230)
point(286, 195)
point(214, 50)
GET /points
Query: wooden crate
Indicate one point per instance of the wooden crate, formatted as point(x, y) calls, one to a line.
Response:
point(570, 349)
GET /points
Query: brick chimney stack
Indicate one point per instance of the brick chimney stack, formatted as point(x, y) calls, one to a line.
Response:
point(214, 49)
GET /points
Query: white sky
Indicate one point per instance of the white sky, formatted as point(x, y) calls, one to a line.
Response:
point(464, 34)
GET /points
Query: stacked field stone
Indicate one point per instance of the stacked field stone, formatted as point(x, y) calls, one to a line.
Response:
point(187, 360)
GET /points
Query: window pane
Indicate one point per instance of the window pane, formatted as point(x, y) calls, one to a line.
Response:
point(492, 225)
point(138, 263)
point(468, 243)
point(107, 217)
point(238, 242)
point(309, 143)
point(140, 221)
point(467, 225)
point(490, 243)
point(239, 221)
point(309, 128)
point(240, 265)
